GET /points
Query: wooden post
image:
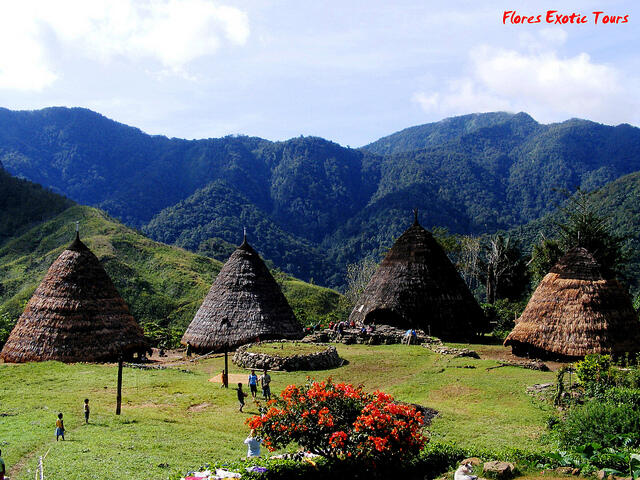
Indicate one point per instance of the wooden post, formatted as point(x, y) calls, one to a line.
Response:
point(119, 394)
point(226, 369)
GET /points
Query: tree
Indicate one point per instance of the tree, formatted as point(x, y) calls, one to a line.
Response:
point(581, 226)
point(358, 276)
point(470, 263)
point(545, 255)
point(584, 227)
point(506, 274)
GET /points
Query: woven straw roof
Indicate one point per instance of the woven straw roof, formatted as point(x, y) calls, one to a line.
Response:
point(576, 310)
point(417, 286)
point(76, 314)
point(244, 304)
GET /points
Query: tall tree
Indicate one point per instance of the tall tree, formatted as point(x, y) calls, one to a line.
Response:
point(506, 274)
point(584, 227)
point(358, 276)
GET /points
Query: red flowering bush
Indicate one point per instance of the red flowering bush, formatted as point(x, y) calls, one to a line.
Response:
point(340, 421)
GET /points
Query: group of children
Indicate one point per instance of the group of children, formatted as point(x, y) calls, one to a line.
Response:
point(60, 423)
point(265, 383)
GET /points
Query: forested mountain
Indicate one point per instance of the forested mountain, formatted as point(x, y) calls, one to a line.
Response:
point(313, 205)
point(218, 212)
point(437, 133)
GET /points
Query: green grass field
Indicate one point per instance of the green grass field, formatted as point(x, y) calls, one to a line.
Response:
point(288, 349)
point(180, 419)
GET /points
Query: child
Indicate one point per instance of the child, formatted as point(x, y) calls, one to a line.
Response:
point(86, 410)
point(253, 444)
point(59, 428)
point(224, 379)
point(241, 396)
point(253, 384)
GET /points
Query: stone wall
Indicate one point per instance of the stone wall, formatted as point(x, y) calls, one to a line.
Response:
point(323, 360)
point(383, 335)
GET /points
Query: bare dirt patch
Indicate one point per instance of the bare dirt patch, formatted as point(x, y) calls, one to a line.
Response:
point(234, 378)
point(454, 390)
point(199, 407)
point(500, 353)
point(149, 405)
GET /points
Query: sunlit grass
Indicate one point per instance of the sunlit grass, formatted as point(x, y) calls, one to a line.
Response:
point(171, 417)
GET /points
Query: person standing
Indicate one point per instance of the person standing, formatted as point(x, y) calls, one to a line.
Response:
point(3, 468)
point(86, 410)
point(253, 384)
point(59, 427)
point(265, 383)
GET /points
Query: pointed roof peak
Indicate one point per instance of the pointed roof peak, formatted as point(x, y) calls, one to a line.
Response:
point(245, 245)
point(415, 218)
point(77, 245)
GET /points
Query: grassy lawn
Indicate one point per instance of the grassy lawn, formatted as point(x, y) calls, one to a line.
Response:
point(280, 349)
point(180, 419)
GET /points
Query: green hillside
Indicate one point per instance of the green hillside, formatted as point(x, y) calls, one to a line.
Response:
point(219, 211)
point(24, 204)
point(163, 285)
point(619, 203)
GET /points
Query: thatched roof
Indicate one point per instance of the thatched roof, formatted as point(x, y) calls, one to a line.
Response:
point(576, 310)
point(417, 286)
point(75, 315)
point(244, 304)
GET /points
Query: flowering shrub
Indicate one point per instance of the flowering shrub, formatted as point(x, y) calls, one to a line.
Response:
point(340, 421)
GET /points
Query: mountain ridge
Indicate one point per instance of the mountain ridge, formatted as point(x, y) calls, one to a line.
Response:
point(472, 174)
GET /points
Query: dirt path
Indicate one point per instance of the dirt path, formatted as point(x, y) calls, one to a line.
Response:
point(15, 470)
point(234, 378)
point(500, 353)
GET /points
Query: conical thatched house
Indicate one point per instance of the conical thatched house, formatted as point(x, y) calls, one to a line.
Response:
point(576, 310)
point(417, 286)
point(75, 315)
point(243, 305)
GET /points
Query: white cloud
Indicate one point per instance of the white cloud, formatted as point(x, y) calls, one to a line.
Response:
point(170, 32)
point(540, 81)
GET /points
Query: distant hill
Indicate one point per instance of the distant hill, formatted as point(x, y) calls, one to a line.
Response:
point(437, 133)
point(313, 205)
point(219, 211)
point(162, 284)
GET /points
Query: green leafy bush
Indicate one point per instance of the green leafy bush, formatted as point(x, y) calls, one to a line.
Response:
point(604, 423)
point(594, 368)
point(623, 396)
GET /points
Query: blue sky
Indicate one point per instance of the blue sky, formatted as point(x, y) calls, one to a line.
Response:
point(349, 71)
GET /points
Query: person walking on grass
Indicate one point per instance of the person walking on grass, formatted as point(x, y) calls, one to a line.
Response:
point(3, 469)
point(86, 410)
point(265, 383)
point(59, 428)
point(253, 384)
point(241, 396)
